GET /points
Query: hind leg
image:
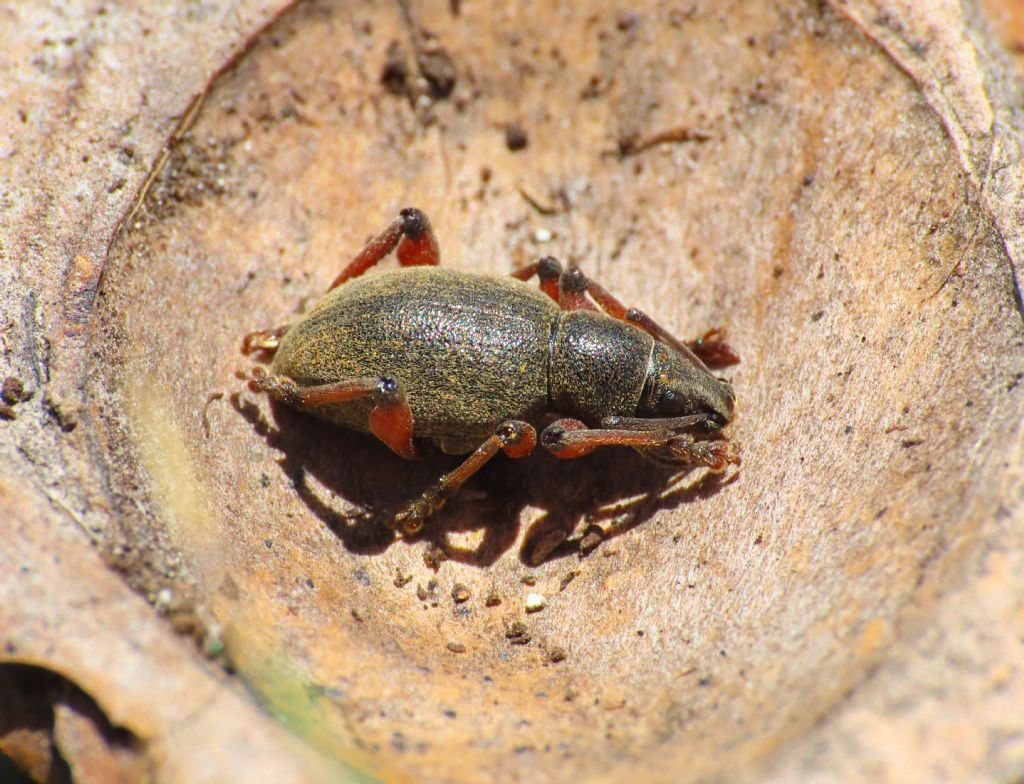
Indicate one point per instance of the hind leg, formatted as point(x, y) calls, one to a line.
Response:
point(410, 232)
point(416, 245)
point(390, 420)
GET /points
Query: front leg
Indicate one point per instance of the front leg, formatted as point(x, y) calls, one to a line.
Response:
point(685, 450)
point(658, 440)
point(570, 289)
point(713, 350)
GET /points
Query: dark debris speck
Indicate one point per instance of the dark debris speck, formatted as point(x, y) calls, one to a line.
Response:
point(516, 137)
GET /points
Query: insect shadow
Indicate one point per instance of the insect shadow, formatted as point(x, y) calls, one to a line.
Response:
point(352, 483)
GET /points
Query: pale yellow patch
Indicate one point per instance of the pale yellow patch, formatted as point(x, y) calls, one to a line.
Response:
point(165, 457)
point(876, 635)
point(250, 642)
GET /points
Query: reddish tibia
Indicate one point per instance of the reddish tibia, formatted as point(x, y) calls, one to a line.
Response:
point(570, 438)
point(606, 300)
point(375, 250)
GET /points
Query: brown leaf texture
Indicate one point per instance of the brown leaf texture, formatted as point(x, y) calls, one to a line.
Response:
point(836, 184)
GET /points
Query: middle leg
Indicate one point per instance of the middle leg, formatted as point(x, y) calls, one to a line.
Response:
point(548, 270)
point(514, 438)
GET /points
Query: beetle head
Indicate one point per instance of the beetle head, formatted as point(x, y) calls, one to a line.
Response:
point(681, 385)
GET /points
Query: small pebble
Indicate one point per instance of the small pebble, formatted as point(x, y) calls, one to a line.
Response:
point(542, 235)
point(515, 629)
point(456, 647)
point(556, 655)
point(517, 633)
point(12, 391)
point(433, 557)
point(460, 593)
point(535, 602)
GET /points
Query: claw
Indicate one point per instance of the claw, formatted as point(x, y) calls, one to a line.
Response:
point(266, 340)
point(411, 517)
point(684, 449)
point(713, 350)
point(716, 455)
point(279, 387)
point(258, 381)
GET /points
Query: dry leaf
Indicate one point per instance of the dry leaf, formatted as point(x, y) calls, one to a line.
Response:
point(835, 184)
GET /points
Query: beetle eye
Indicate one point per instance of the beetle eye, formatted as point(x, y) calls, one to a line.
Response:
point(670, 403)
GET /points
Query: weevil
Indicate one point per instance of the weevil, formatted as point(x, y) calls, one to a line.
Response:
point(473, 363)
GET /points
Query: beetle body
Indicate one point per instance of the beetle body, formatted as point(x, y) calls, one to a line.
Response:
point(472, 351)
point(473, 362)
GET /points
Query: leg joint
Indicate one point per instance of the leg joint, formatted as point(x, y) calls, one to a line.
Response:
point(549, 268)
point(553, 438)
point(414, 223)
point(573, 281)
point(517, 439)
point(388, 391)
point(634, 315)
point(510, 433)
